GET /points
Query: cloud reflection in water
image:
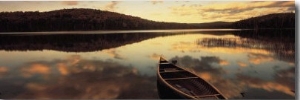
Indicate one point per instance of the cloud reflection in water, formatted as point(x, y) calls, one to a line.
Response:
point(231, 87)
point(128, 71)
point(78, 78)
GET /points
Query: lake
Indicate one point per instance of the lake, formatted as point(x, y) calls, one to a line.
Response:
point(122, 64)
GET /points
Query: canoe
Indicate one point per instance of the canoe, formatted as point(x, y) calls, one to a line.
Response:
point(174, 82)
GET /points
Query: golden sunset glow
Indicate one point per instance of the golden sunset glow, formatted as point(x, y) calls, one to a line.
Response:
point(241, 64)
point(166, 11)
point(206, 76)
point(113, 53)
point(223, 63)
point(62, 68)
point(258, 59)
point(3, 70)
point(130, 70)
point(74, 59)
point(249, 81)
point(155, 56)
point(36, 69)
point(103, 87)
point(35, 86)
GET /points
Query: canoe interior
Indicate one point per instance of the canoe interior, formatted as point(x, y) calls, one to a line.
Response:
point(187, 82)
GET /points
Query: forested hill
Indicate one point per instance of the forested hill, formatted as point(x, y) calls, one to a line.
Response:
point(91, 19)
point(78, 19)
point(279, 20)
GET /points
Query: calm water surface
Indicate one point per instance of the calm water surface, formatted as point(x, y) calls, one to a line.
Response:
point(123, 65)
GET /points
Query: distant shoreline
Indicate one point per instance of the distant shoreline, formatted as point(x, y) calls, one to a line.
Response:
point(94, 20)
point(126, 31)
point(140, 31)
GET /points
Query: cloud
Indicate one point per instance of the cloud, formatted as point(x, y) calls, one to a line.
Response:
point(223, 62)
point(238, 7)
point(242, 64)
point(259, 58)
point(281, 86)
point(114, 53)
point(35, 68)
point(70, 3)
point(63, 69)
point(286, 77)
point(35, 86)
point(111, 6)
point(3, 69)
point(202, 64)
point(73, 59)
point(154, 56)
point(154, 2)
point(185, 10)
point(233, 11)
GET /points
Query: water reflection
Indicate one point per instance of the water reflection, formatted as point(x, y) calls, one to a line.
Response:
point(124, 65)
point(70, 42)
point(283, 50)
point(243, 64)
point(232, 87)
point(74, 77)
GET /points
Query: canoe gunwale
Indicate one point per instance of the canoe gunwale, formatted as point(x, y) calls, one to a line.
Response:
point(182, 78)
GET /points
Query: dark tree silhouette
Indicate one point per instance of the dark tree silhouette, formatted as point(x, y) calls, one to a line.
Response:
point(78, 19)
point(92, 19)
point(279, 20)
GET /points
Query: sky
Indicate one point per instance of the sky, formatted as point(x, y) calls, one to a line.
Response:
point(195, 11)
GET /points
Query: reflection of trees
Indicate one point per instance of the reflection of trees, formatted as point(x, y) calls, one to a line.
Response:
point(71, 42)
point(281, 43)
point(78, 78)
point(279, 35)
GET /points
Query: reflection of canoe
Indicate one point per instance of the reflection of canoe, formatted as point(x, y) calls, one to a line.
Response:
point(176, 83)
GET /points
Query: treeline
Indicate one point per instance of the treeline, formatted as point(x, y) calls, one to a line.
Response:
point(78, 19)
point(275, 35)
point(91, 19)
point(279, 20)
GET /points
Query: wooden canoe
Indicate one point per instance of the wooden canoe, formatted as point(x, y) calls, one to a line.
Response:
point(174, 82)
